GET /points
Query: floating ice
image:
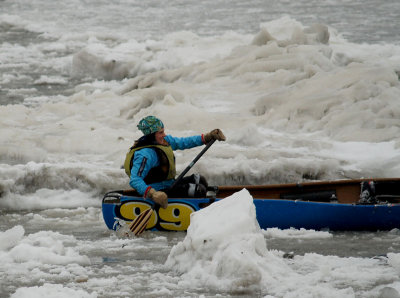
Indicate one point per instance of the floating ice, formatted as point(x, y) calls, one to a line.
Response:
point(51, 290)
point(225, 248)
point(11, 237)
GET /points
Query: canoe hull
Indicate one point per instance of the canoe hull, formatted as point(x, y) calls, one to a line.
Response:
point(333, 216)
point(270, 213)
point(333, 205)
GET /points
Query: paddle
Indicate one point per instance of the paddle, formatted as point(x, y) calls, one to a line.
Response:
point(139, 224)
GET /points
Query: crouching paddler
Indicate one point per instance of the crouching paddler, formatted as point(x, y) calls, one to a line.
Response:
point(150, 163)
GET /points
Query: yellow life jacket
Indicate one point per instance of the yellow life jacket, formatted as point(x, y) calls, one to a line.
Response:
point(165, 171)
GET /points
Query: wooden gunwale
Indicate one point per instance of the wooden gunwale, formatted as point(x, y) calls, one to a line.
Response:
point(346, 191)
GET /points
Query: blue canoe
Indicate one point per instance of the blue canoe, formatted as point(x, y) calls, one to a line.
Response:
point(333, 205)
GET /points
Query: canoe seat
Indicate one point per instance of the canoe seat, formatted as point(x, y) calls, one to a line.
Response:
point(317, 196)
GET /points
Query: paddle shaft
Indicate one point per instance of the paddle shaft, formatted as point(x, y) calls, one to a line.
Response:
point(192, 163)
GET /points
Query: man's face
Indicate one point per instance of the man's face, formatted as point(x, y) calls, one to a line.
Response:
point(159, 135)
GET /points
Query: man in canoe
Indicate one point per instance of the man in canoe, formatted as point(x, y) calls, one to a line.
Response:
point(150, 162)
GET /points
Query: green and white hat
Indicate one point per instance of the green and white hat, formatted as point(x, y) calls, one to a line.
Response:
point(149, 125)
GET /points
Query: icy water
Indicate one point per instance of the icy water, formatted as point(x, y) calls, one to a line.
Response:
point(297, 101)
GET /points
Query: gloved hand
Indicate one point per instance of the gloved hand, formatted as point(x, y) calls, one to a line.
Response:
point(215, 134)
point(158, 197)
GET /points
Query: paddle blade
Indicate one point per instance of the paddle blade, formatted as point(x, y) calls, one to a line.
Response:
point(139, 224)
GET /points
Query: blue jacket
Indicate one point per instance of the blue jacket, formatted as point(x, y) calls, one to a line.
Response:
point(149, 157)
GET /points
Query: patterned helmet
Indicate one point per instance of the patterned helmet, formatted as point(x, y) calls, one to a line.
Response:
point(150, 124)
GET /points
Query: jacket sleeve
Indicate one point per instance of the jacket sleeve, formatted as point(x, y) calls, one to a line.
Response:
point(143, 161)
point(184, 143)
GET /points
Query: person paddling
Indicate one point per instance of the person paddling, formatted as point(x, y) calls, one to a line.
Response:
point(150, 163)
